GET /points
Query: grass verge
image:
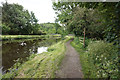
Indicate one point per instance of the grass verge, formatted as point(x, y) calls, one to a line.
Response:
point(16, 37)
point(41, 65)
point(88, 68)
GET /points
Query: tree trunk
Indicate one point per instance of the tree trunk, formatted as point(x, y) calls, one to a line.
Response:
point(84, 39)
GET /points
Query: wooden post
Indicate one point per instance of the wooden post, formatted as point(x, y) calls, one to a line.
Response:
point(84, 38)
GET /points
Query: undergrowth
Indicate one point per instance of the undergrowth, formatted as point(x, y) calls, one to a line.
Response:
point(88, 68)
point(99, 59)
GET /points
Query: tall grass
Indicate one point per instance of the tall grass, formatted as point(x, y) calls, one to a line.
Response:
point(105, 59)
point(99, 59)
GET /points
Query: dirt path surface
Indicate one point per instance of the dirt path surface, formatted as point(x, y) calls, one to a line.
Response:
point(70, 66)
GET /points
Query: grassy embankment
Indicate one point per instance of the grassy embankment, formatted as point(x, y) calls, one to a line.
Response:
point(41, 65)
point(19, 38)
point(11, 37)
point(99, 59)
point(16, 37)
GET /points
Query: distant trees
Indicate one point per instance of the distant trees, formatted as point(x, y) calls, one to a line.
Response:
point(17, 20)
point(51, 28)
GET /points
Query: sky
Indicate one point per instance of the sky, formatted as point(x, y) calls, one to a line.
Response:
point(42, 8)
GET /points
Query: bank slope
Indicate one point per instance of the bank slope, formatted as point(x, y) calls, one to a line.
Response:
point(42, 65)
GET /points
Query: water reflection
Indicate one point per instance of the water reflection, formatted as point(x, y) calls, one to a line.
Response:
point(14, 50)
point(42, 49)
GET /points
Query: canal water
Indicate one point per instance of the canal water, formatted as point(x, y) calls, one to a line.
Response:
point(13, 50)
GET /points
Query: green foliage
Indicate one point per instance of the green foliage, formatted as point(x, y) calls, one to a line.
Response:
point(5, 29)
point(88, 67)
point(18, 20)
point(100, 19)
point(51, 28)
point(99, 59)
point(105, 59)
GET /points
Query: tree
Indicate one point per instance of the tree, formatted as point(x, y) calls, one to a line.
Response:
point(5, 29)
point(107, 12)
point(19, 20)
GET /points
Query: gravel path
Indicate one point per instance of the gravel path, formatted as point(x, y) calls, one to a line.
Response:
point(70, 66)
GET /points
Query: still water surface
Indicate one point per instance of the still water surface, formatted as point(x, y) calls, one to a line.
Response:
point(13, 50)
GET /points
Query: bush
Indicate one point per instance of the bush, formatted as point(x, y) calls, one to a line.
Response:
point(5, 29)
point(105, 58)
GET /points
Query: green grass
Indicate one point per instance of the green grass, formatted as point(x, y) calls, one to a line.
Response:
point(12, 37)
point(99, 59)
point(41, 65)
point(88, 68)
point(56, 35)
point(20, 38)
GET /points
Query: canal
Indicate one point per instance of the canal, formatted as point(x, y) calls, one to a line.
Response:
point(11, 51)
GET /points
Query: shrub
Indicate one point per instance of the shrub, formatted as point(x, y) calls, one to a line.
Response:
point(5, 29)
point(105, 58)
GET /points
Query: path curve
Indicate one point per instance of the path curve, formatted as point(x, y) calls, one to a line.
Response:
point(70, 66)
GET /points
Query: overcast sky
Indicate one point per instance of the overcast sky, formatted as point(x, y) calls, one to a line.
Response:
point(42, 8)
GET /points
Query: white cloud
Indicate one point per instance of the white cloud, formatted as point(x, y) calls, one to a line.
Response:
point(42, 8)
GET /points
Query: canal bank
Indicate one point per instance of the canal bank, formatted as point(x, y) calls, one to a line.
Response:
point(41, 65)
point(14, 50)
